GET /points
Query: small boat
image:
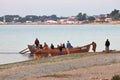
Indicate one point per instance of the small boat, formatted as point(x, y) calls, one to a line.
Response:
point(55, 52)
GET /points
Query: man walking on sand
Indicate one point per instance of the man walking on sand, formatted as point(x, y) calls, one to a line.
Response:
point(107, 44)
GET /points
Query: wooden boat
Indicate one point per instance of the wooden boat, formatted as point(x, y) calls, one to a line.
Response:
point(55, 52)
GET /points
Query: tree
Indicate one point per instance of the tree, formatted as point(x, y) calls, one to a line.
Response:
point(115, 15)
point(53, 17)
point(91, 18)
point(1, 19)
point(11, 18)
point(43, 18)
point(84, 16)
point(81, 16)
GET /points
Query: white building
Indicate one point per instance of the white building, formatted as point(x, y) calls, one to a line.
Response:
point(51, 22)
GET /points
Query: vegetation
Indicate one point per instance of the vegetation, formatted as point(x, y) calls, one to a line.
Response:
point(32, 18)
point(81, 17)
point(91, 18)
point(115, 15)
point(116, 77)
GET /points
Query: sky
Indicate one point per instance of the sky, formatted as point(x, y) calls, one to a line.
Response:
point(58, 7)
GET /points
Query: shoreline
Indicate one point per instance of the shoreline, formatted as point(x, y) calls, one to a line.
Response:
point(46, 60)
point(32, 60)
point(56, 66)
point(93, 23)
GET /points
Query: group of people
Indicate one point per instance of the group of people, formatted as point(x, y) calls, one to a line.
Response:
point(38, 45)
point(107, 44)
point(60, 47)
point(68, 45)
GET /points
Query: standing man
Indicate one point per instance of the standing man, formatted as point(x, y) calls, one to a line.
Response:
point(52, 46)
point(68, 47)
point(37, 42)
point(107, 44)
point(60, 49)
point(94, 46)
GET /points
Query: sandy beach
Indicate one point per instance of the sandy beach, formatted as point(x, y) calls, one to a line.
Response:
point(98, 66)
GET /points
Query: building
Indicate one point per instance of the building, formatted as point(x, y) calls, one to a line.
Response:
point(51, 22)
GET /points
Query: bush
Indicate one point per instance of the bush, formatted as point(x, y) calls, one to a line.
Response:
point(116, 77)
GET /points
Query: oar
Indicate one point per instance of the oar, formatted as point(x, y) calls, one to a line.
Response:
point(25, 52)
point(22, 52)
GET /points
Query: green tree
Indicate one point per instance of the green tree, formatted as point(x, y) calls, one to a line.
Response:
point(53, 17)
point(81, 17)
point(115, 15)
point(11, 18)
point(91, 18)
point(84, 16)
point(43, 18)
point(1, 18)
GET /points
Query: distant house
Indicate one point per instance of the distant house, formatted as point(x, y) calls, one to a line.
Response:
point(102, 18)
point(97, 18)
point(28, 21)
point(62, 21)
point(108, 19)
point(69, 20)
point(16, 18)
point(51, 22)
point(1, 22)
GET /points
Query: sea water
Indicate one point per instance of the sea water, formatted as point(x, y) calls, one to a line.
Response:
point(9, 57)
point(14, 38)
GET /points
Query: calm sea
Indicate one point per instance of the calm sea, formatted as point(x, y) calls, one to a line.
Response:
point(14, 38)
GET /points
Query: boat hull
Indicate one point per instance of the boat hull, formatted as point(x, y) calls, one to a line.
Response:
point(55, 52)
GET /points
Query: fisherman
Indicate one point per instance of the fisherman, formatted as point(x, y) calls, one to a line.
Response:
point(94, 46)
point(60, 49)
point(36, 42)
point(52, 46)
point(107, 44)
point(68, 47)
point(63, 45)
point(45, 46)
